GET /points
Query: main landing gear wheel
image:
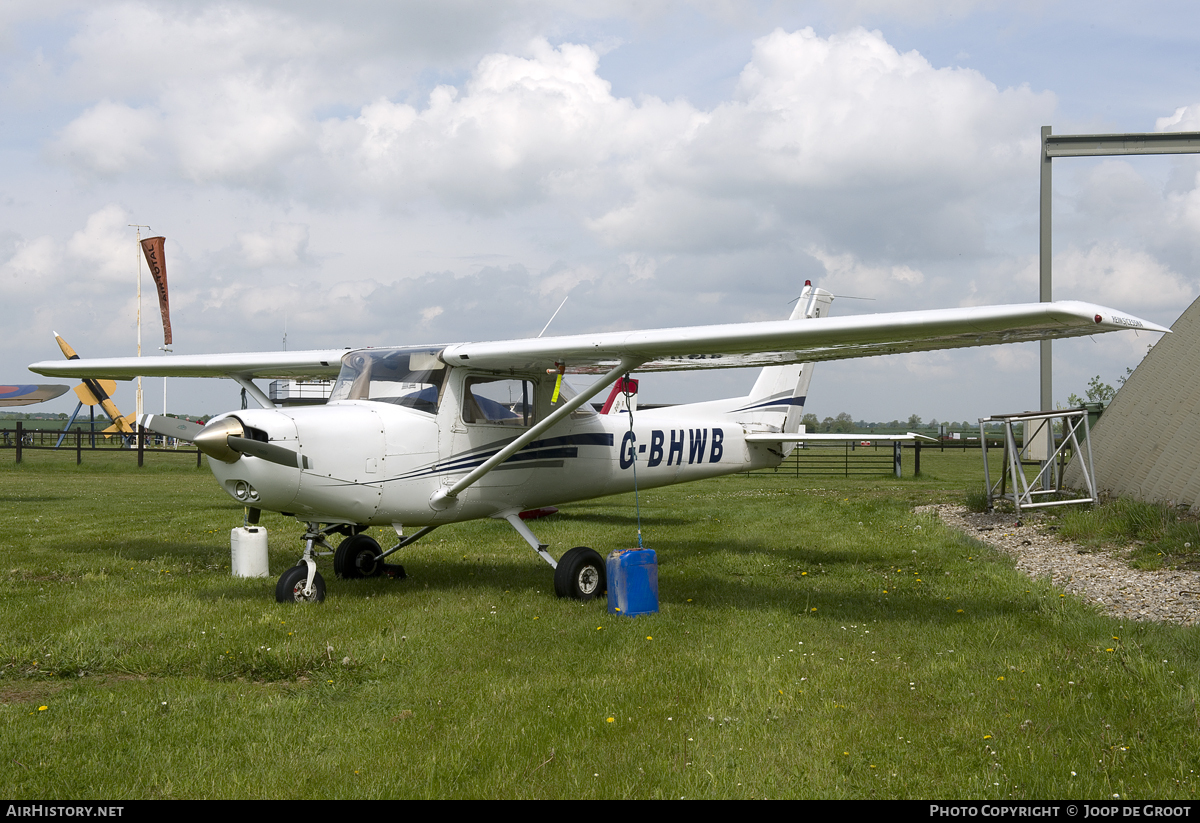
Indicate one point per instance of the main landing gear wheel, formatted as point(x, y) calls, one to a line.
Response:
point(290, 588)
point(357, 556)
point(580, 575)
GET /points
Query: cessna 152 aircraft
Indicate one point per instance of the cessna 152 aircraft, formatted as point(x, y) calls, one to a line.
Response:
point(423, 436)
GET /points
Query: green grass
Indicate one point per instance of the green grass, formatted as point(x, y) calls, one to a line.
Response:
point(815, 639)
point(976, 498)
point(1154, 534)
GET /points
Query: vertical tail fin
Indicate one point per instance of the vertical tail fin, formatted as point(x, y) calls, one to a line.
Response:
point(777, 399)
point(622, 398)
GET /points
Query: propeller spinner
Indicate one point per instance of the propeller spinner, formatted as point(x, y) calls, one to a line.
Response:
point(224, 440)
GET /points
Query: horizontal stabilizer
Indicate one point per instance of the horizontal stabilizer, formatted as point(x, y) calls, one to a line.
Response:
point(800, 437)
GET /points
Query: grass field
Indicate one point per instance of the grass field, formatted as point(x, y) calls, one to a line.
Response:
point(815, 639)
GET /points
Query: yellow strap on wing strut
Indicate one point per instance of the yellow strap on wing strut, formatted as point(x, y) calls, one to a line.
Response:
point(561, 368)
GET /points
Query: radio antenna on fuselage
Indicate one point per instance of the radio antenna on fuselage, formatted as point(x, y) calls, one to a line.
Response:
point(556, 311)
point(838, 296)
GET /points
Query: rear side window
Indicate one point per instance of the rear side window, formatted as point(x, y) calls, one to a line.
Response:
point(498, 401)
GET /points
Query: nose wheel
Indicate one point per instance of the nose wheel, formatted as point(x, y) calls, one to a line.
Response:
point(294, 585)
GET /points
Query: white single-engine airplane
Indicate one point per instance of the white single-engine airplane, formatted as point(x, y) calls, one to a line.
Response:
point(422, 436)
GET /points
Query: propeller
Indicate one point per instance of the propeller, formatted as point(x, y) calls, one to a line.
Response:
point(171, 426)
point(267, 451)
point(224, 440)
point(93, 392)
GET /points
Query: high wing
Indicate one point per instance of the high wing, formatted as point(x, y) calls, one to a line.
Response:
point(323, 363)
point(732, 345)
point(773, 343)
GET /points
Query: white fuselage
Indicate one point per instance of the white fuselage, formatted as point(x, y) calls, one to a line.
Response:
point(376, 463)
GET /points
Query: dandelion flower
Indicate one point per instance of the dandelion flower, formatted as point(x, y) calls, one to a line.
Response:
point(42, 708)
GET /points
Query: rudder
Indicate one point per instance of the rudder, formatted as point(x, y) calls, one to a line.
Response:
point(777, 399)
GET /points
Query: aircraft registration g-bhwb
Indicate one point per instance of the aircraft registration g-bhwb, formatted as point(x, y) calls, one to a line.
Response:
point(423, 436)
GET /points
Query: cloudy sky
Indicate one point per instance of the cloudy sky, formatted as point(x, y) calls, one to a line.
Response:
point(373, 173)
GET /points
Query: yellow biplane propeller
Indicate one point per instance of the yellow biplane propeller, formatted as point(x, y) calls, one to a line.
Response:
point(93, 392)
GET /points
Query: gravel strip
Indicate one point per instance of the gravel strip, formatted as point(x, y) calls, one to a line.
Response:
point(1099, 576)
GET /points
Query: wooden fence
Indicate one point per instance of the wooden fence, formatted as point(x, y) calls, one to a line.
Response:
point(21, 440)
point(841, 459)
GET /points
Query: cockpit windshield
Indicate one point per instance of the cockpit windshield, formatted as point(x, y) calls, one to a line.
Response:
point(412, 378)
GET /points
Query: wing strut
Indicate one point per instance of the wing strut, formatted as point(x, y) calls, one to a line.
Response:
point(443, 499)
point(253, 390)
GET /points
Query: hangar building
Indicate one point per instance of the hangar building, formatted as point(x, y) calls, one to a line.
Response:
point(1146, 445)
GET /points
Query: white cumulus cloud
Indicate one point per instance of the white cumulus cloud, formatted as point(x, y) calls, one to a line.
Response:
point(1113, 275)
point(104, 246)
point(848, 275)
point(286, 244)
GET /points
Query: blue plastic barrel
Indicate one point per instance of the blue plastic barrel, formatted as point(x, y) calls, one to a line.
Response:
point(632, 582)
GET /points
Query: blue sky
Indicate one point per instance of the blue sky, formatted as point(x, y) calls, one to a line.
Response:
point(391, 173)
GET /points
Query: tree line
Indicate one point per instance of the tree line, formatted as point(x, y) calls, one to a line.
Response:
point(844, 423)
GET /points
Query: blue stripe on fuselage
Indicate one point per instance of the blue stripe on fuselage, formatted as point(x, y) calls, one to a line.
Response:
point(548, 448)
point(782, 401)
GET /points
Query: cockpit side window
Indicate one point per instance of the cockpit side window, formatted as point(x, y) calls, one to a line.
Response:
point(498, 401)
point(410, 378)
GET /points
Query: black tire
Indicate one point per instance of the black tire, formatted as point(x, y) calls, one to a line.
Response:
point(290, 587)
point(357, 556)
point(580, 575)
